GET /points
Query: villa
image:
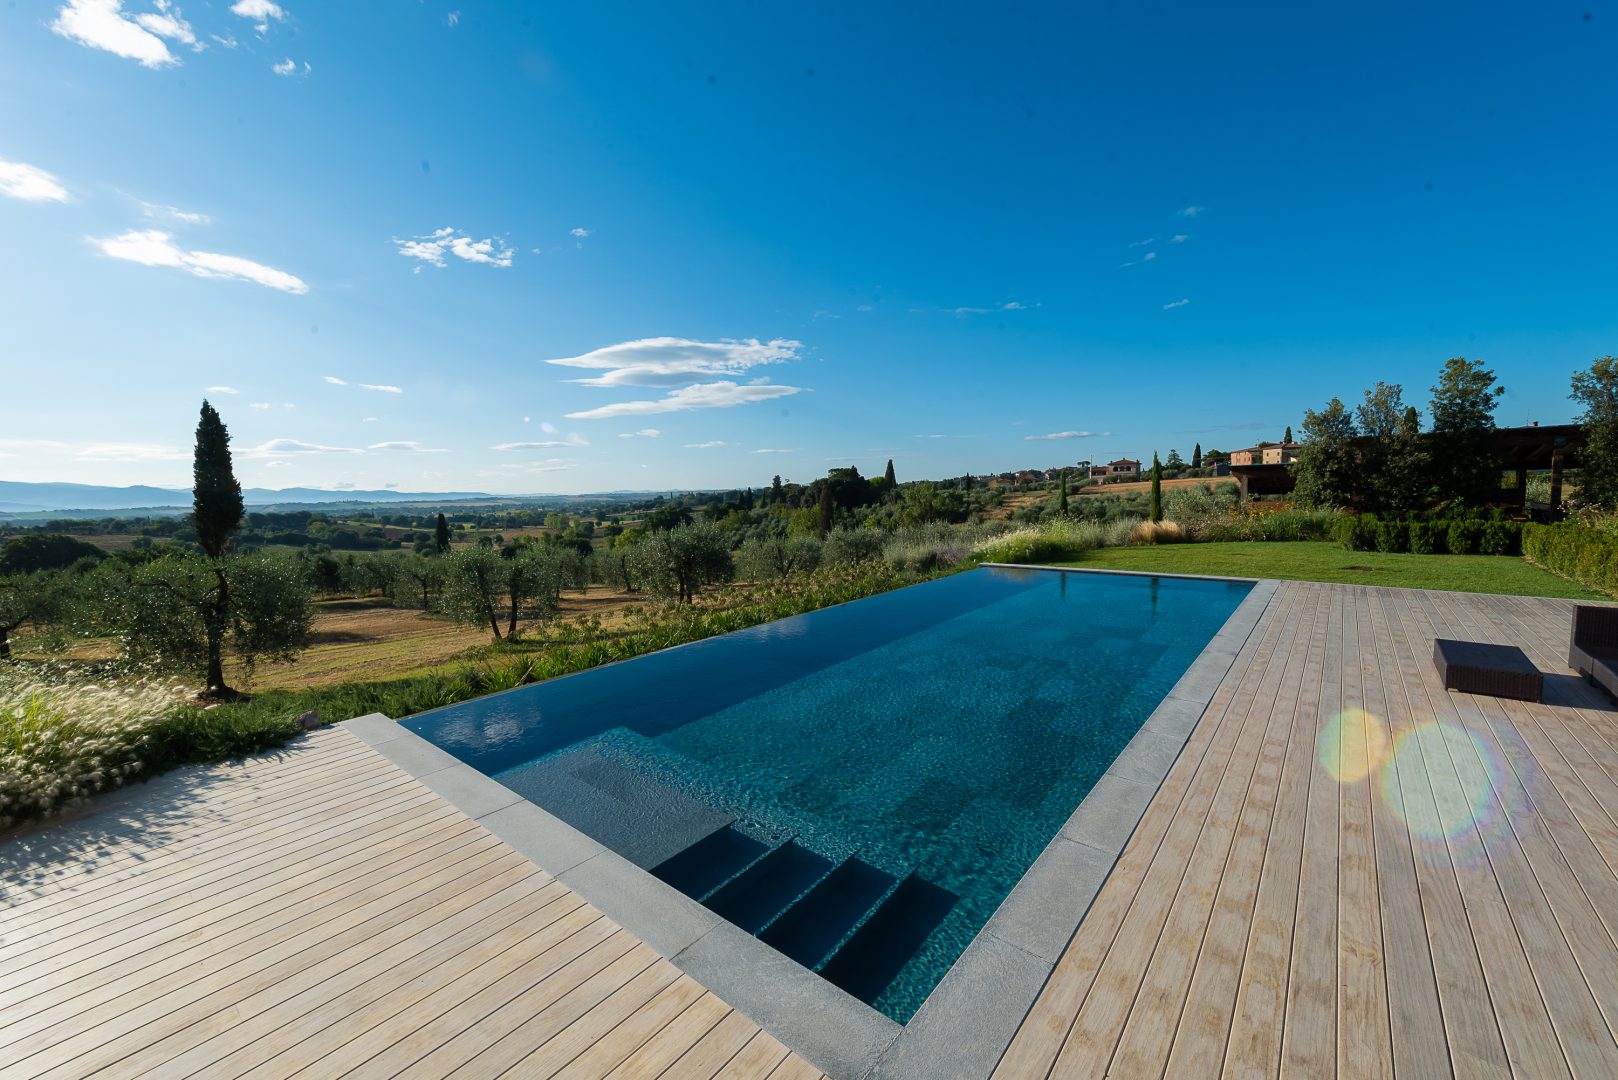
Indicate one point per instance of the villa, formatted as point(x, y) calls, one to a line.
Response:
point(1115, 468)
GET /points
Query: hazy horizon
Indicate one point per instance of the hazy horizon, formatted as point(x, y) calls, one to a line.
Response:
point(522, 251)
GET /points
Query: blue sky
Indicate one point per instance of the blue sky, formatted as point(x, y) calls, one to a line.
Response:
point(772, 240)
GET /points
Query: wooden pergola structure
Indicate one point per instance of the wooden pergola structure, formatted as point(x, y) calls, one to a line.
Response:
point(1520, 450)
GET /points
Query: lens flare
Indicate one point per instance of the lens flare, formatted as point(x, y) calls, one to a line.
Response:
point(1449, 780)
point(1351, 746)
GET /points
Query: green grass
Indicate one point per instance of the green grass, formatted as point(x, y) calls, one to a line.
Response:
point(1306, 561)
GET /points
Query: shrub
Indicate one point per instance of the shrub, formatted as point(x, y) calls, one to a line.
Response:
point(1357, 532)
point(1462, 537)
point(845, 546)
point(1426, 538)
point(1156, 532)
point(1050, 542)
point(1500, 538)
point(1392, 536)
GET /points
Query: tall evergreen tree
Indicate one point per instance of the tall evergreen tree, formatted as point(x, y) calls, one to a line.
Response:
point(1196, 456)
point(1061, 495)
point(1597, 391)
point(823, 511)
point(1155, 508)
point(1465, 466)
point(889, 477)
point(441, 535)
point(1288, 436)
point(777, 492)
point(216, 514)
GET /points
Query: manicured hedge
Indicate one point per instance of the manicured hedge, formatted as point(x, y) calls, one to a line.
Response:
point(1588, 556)
point(1433, 535)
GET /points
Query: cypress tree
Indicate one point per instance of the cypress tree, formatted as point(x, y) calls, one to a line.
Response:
point(441, 535)
point(1288, 436)
point(824, 517)
point(1061, 495)
point(216, 513)
point(1196, 456)
point(1155, 512)
point(889, 477)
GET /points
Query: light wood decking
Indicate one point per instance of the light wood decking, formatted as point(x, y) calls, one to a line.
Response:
point(319, 913)
point(1426, 890)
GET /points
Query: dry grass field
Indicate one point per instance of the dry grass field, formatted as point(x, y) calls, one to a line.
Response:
point(1143, 485)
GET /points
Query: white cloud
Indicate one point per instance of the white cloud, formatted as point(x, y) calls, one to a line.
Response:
point(709, 445)
point(1182, 302)
point(166, 22)
point(1150, 256)
point(132, 452)
point(547, 465)
point(259, 405)
point(452, 19)
point(435, 245)
point(173, 214)
point(643, 433)
point(579, 233)
point(1143, 243)
point(380, 388)
point(282, 447)
point(226, 40)
point(544, 425)
point(369, 419)
point(285, 67)
point(334, 380)
point(572, 440)
point(101, 24)
point(714, 395)
point(407, 445)
point(669, 361)
point(1190, 211)
point(1057, 435)
point(153, 247)
point(29, 183)
point(260, 12)
point(223, 390)
point(1179, 238)
point(772, 450)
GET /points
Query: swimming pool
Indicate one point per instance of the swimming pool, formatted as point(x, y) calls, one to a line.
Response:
point(860, 786)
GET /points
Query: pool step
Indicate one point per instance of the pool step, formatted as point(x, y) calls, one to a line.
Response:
point(873, 955)
point(812, 928)
point(758, 895)
point(712, 861)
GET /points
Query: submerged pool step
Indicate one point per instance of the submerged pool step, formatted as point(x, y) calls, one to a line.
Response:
point(712, 861)
point(873, 955)
point(811, 929)
point(756, 896)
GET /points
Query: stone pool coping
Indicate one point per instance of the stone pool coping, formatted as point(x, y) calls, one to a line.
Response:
point(965, 1024)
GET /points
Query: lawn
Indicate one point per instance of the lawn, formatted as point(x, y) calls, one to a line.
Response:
point(1307, 561)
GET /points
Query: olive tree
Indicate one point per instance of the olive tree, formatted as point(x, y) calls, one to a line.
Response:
point(768, 557)
point(679, 562)
point(475, 580)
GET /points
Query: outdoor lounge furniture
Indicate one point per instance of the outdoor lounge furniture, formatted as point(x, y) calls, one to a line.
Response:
point(1593, 651)
point(1474, 667)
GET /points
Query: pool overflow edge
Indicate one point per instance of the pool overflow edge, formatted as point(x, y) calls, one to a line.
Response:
point(968, 1020)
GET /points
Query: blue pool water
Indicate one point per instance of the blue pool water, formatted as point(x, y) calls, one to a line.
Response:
point(859, 786)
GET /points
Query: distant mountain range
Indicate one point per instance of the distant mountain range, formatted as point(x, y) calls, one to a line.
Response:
point(22, 498)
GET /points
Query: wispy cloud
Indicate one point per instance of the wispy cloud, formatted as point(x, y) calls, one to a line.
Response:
point(773, 450)
point(452, 19)
point(259, 405)
point(223, 390)
point(166, 22)
point(543, 444)
point(1179, 238)
point(405, 446)
point(29, 183)
point(579, 233)
point(1009, 305)
point(101, 24)
point(173, 214)
point(153, 247)
point(1191, 211)
point(709, 445)
point(380, 388)
point(643, 433)
point(334, 380)
point(1150, 256)
point(282, 447)
point(132, 452)
point(1056, 436)
point(433, 248)
point(1172, 304)
point(714, 395)
point(1150, 240)
point(699, 374)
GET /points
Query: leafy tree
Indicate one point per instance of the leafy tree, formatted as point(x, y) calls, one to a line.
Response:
point(416, 581)
point(1196, 456)
point(35, 597)
point(764, 557)
point(216, 514)
point(441, 535)
point(44, 551)
point(1327, 467)
point(1597, 391)
point(1061, 495)
point(475, 581)
point(1286, 438)
point(1392, 460)
point(1464, 464)
point(678, 562)
point(888, 475)
point(1175, 461)
point(1155, 507)
point(534, 581)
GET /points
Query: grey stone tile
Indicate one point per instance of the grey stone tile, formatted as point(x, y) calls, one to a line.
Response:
point(469, 791)
point(658, 914)
point(415, 755)
point(1148, 757)
point(835, 1032)
point(1174, 718)
point(1109, 813)
point(374, 728)
point(550, 843)
point(968, 1021)
point(1041, 913)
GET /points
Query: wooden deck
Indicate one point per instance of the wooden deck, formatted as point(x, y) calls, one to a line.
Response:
point(1348, 872)
point(319, 913)
point(1425, 888)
